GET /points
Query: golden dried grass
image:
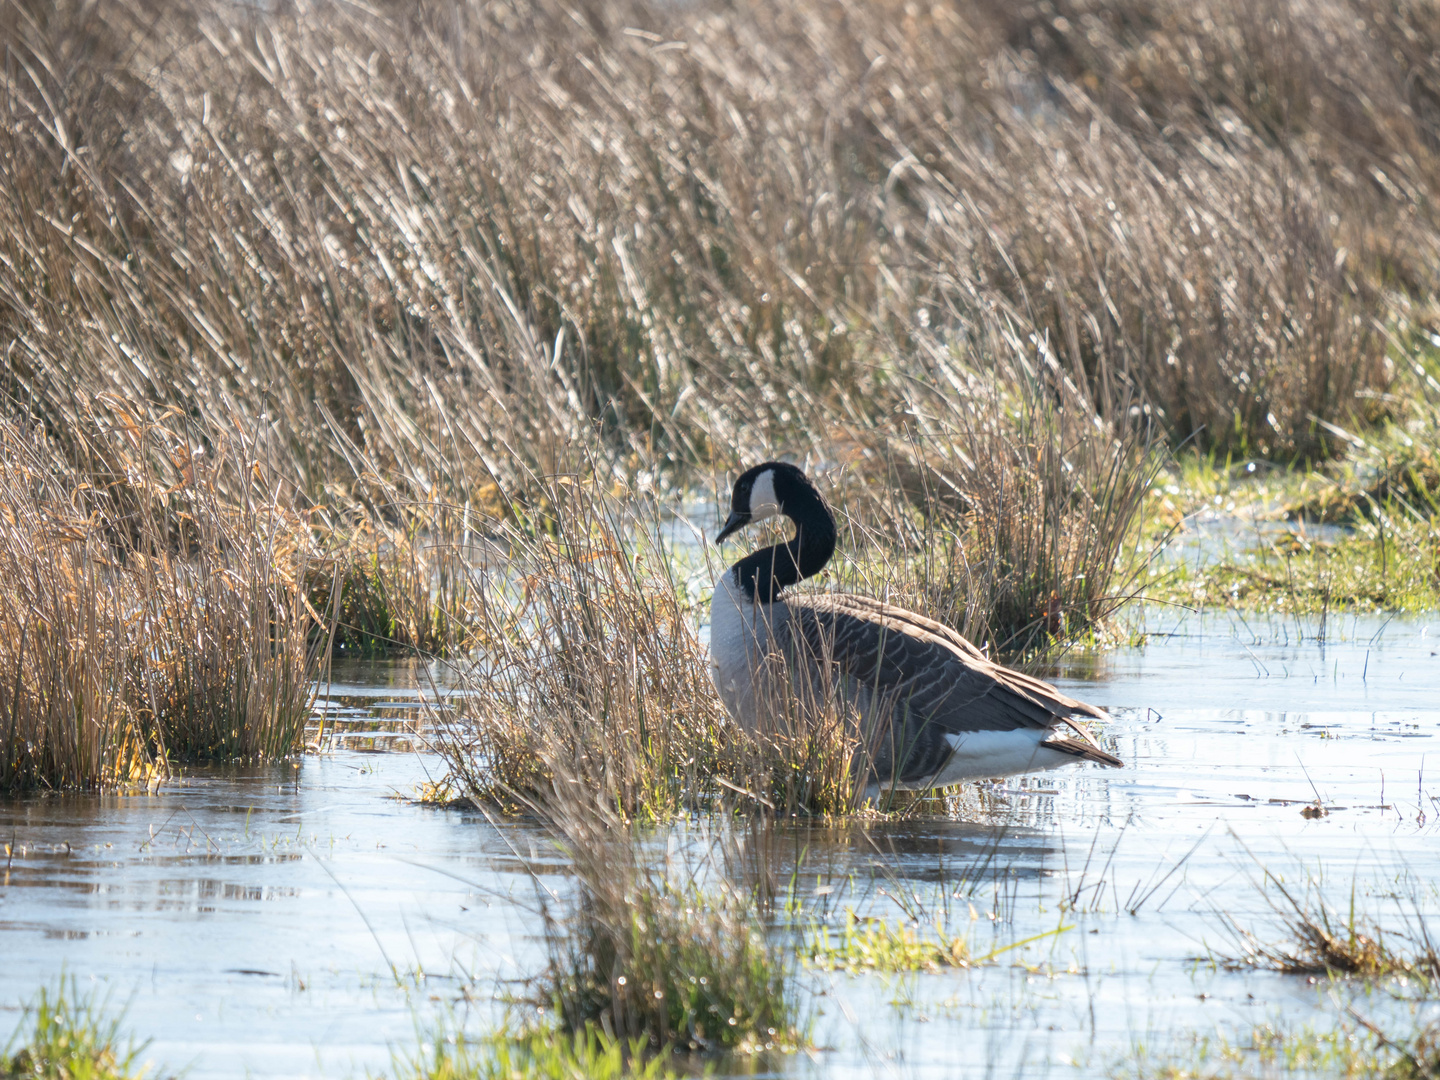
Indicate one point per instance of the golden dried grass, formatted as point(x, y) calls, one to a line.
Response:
point(460, 242)
point(144, 621)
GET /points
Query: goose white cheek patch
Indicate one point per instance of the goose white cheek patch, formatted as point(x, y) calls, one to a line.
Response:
point(763, 503)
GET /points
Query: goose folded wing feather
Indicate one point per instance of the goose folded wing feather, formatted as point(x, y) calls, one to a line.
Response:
point(922, 675)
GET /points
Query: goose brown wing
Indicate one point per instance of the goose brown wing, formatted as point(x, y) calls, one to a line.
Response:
point(934, 674)
point(867, 607)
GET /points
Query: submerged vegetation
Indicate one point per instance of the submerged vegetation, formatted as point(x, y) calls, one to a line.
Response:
point(1297, 569)
point(1355, 1049)
point(538, 1054)
point(1265, 1051)
point(1358, 532)
point(1363, 970)
point(876, 945)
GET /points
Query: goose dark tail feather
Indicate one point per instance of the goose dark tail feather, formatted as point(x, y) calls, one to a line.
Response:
point(1086, 751)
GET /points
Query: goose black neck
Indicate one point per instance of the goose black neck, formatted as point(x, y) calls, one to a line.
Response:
point(762, 574)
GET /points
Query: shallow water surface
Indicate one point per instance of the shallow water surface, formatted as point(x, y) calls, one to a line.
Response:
point(302, 920)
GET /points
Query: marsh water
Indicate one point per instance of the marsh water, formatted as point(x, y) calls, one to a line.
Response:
point(306, 920)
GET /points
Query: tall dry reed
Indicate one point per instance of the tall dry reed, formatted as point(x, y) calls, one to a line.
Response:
point(144, 621)
point(590, 671)
point(398, 581)
point(454, 241)
point(972, 257)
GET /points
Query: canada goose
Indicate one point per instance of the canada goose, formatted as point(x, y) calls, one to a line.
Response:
point(935, 710)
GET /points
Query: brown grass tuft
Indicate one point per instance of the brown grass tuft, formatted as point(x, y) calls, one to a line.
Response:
point(144, 621)
point(1323, 941)
point(591, 671)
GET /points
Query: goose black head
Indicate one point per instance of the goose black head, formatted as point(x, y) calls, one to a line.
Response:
point(764, 491)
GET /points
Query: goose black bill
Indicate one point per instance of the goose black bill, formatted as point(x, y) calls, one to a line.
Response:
point(733, 524)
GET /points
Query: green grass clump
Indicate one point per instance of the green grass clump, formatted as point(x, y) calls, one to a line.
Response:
point(538, 1054)
point(876, 945)
point(676, 956)
point(1389, 469)
point(64, 1035)
point(1354, 1048)
point(1391, 565)
point(904, 945)
point(673, 966)
point(1379, 501)
point(1394, 476)
point(1341, 1053)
